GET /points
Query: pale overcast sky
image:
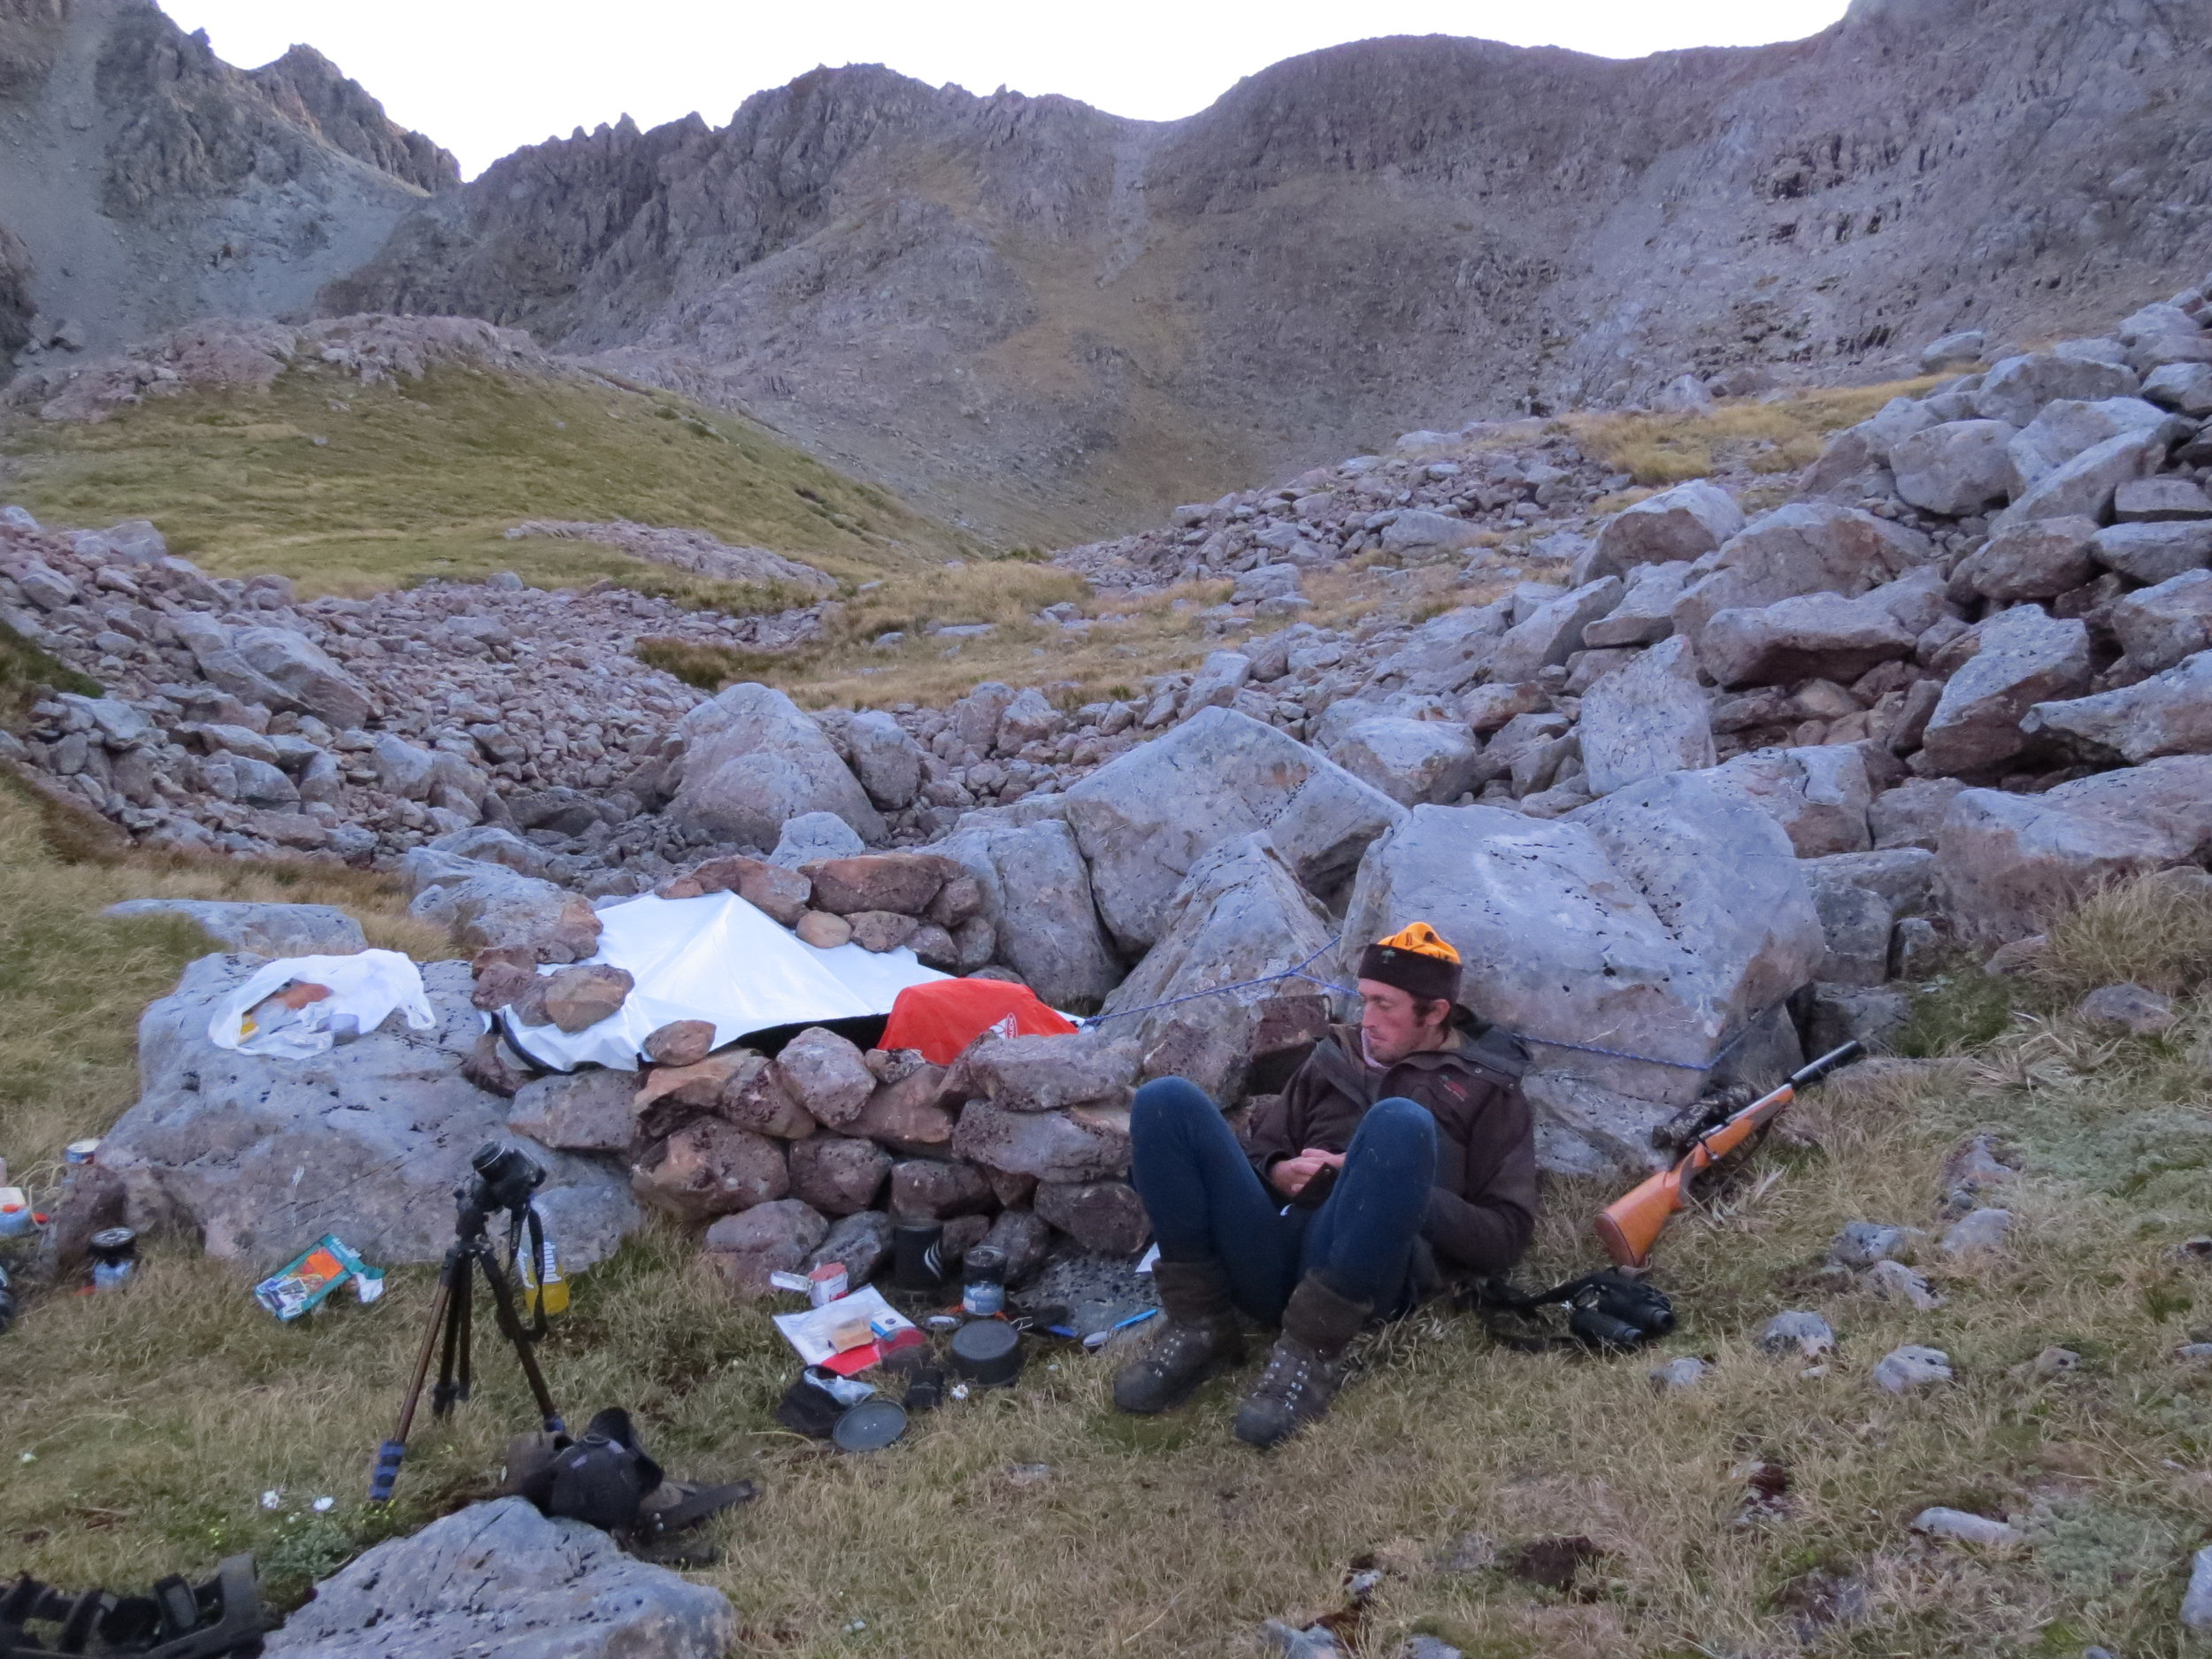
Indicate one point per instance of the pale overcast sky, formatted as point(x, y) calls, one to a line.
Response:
point(483, 77)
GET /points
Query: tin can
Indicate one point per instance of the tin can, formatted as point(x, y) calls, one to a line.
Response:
point(826, 1283)
point(114, 1252)
point(80, 1151)
point(16, 1217)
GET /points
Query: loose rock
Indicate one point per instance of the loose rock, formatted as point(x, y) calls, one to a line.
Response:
point(1904, 1369)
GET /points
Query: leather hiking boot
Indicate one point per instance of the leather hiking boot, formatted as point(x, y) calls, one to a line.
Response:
point(1200, 1336)
point(1306, 1367)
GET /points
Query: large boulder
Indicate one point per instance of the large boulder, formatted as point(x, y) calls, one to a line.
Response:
point(1649, 717)
point(2017, 389)
point(1819, 795)
point(1656, 923)
point(2152, 552)
point(275, 667)
point(489, 907)
point(2170, 713)
point(1145, 819)
point(2007, 864)
point(1681, 524)
point(262, 1157)
point(2068, 426)
point(2025, 656)
point(1808, 547)
point(1417, 531)
point(1646, 613)
point(888, 762)
point(1553, 632)
point(501, 1580)
point(1445, 653)
point(2083, 487)
point(2158, 626)
point(1955, 468)
point(1812, 636)
point(266, 930)
point(1239, 916)
point(752, 760)
point(1410, 761)
point(2038, 559)
point(1035, 892)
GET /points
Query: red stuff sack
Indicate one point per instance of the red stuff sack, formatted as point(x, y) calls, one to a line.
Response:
point(945, 1016)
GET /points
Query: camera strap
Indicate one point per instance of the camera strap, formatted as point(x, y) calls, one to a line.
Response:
point(525, 1229)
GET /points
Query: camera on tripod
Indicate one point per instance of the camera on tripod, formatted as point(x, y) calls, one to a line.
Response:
point(505, 1179)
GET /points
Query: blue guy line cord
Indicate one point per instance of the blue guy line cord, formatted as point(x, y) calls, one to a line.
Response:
point(1299, 972)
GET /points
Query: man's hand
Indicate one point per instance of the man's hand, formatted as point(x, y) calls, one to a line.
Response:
point(1292, 1174)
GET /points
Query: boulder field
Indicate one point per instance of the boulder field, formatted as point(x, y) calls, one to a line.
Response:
point(1686, 810)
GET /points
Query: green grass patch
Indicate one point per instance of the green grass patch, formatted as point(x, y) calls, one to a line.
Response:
point(27, 673)
point(348, 488)
point(1775, 436)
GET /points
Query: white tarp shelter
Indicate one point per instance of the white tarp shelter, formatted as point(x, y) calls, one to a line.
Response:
point(719, 959)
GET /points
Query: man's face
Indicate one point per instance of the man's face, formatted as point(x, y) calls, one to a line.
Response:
point(1395, 1025)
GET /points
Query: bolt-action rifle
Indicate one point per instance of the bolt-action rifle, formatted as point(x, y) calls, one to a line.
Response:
point(1630, 1225)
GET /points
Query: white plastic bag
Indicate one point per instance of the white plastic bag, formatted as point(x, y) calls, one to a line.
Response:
point(364, 988)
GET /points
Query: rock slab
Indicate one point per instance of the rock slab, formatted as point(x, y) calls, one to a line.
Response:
point(501, 1581)
point(263, 1156)
point(1656, 923)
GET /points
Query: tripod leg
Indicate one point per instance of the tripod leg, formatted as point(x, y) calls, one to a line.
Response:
point(453, 1358)
point(511, 1327)
point(394, 1451)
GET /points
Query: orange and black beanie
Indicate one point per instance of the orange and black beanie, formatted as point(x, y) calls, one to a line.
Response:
point(1417, 961)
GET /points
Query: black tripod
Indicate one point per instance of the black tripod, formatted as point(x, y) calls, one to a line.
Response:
point(505, 1177)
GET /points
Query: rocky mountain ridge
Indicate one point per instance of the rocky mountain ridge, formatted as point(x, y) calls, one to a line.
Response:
point(1058, 319)
point(1055, 322)
point(150, 184)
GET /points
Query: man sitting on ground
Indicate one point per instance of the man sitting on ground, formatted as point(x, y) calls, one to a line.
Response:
point(1401, 1145)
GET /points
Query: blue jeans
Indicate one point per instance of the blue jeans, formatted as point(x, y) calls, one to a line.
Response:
point(1205, 1201)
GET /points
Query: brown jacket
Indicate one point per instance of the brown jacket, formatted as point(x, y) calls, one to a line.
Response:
point(1483, 1207)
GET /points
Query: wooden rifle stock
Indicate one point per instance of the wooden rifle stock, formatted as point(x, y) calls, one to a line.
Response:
point(1629, 1225)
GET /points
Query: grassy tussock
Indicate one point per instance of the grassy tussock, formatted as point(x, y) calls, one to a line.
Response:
point(157, 1417)
point(1769, 437)
point(2154, 931)
point(419, 481)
